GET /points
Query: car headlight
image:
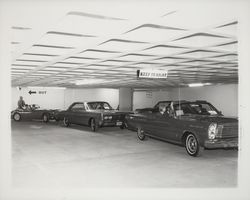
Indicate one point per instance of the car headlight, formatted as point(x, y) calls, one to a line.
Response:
point(108, 117)
point(212, 131)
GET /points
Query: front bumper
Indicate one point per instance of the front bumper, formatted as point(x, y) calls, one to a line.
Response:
point(221, 143)
point(111, 123)
point(52, 117)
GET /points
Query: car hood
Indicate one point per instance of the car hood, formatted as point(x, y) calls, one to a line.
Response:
point(110, 112)
point(144, 109)
point(215, 118)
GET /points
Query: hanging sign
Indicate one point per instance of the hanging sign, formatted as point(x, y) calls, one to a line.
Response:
point(152, 74)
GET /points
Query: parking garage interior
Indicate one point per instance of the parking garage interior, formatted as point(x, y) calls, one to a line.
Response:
point(86, 51)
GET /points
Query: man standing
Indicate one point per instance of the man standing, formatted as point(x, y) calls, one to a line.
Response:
point(171, 110)
point(21, 103)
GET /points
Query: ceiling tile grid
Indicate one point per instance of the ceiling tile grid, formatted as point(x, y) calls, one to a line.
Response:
point(108, 50)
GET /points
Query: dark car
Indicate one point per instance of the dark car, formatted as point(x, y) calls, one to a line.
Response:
point(33, 112)
point(154, 109)
point(94, 114)
point(195, 125)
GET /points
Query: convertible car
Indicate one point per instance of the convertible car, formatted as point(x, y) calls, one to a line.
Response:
point(33, 112)
point(94, 114)
point(195, 125)
point(154, 109)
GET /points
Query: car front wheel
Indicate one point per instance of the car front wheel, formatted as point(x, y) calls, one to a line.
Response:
point(66, 121)
point(93, 125)
point(140, 134)
point(45, 118)
point(17, 117)
point(192, 145)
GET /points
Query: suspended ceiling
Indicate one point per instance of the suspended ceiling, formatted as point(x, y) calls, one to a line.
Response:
point(104, 45)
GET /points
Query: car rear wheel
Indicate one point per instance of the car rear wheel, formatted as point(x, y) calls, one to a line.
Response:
point(140, 134)
point(45, 118)
point(66, 121)
point(192, 145)
point(93, 125)
point(17, 117)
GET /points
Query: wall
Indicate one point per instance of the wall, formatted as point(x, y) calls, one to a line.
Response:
point(102, 94)
point(142, 99)
point(54, 98)
point(61, 99)
point(125, 99)
point(223, 97)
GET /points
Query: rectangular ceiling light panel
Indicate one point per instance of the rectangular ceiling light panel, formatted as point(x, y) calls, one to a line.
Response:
point(47, 72)
point(55, 68)
point(226, 58)
point(115, 62)
point(97, 67)
point(78, 59)
point(99, 54)
point(163, 50)
point(170, 60)
point(65, 65)
point(137, 57)
point(230, 46)
point(66, 40)
point(91, 26)
point(151, 34)
point(200, 40)
point(38, 56)
point(27, 63)
point(84, 70)
point(17, 66)
point(200, 54)
point(122, 45)
point(48, 50)
point(229, 29)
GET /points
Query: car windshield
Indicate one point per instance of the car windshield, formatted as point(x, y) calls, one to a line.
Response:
point(99, 106)
point(31, 107)
point(34, 106)
point(201, 108)
point(162, 104)
point(204, 108)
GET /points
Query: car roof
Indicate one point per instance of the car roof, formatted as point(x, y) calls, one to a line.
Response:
point(96, 102)
point(89, 102)
point(184, 101)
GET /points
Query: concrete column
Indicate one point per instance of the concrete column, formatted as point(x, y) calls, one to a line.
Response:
point(125, 99)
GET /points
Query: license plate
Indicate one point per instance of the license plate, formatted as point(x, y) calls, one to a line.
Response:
point(118, 123)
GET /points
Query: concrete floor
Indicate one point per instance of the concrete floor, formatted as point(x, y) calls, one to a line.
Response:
point(50, 155)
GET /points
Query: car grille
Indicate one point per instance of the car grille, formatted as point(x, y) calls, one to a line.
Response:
point(116, 117)
point(230, 130)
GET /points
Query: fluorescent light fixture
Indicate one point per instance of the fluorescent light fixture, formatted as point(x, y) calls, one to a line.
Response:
point(44, 88)
point(198, 84)
point(88, 81)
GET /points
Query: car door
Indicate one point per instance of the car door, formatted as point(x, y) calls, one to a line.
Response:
point(148, 123)
point(166, 127)
point(35, 111)
point(81, 115)
point(31, 113)
point(37, 114)
point(74, 113)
